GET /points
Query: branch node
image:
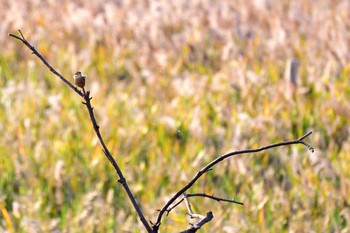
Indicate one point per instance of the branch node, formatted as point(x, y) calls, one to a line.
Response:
point(122, 181)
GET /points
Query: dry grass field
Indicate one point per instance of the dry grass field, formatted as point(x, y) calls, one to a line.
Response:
point(216, 71)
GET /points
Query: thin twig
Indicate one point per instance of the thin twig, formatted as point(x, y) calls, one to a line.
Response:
point(174, 206)
point(34, 51)
point(214, 198)
point(305, 136)
point(189, 208)
point(207, 218)
point(203, 219)
point(87, 99)
point(202, 195)
point(218, 160)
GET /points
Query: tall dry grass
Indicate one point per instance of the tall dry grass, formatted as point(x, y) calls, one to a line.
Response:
point(216, 71)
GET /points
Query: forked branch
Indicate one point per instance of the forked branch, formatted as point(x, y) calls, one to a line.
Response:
point(202, 219)
point(208, 167)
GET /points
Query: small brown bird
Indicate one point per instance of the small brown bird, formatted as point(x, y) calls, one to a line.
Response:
point(79, 80)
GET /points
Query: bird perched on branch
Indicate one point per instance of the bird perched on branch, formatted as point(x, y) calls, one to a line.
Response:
point(79, 80)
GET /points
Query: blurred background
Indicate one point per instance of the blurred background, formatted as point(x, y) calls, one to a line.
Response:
point(175, 84)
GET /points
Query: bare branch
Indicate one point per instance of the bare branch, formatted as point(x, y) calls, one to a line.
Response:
point(203, 219)
point(203, 195)
point(220, 159)
point(89, 107)
point(305, 136)
point(174, 206)
point(214, 198)
point(34, 51)
point(122, 179)
point(189, 209)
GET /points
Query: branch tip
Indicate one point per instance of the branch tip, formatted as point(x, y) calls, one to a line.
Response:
point(311, 149)
point(305, 136)
point(21, 34)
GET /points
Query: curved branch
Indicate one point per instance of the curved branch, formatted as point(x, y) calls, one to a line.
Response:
point(220, 159)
